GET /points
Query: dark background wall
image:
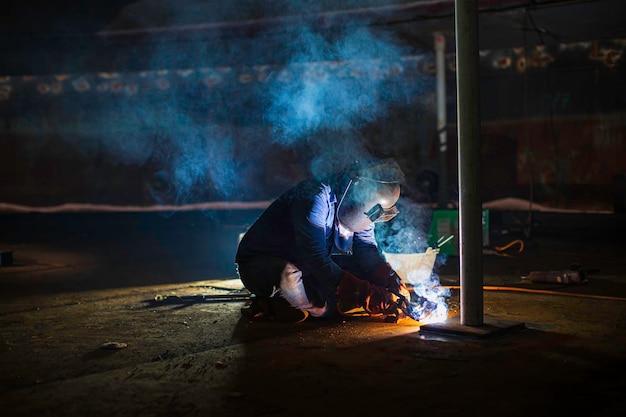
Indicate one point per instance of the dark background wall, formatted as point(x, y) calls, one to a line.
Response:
point(237, 118)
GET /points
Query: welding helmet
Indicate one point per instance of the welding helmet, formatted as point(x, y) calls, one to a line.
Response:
point(370, 195)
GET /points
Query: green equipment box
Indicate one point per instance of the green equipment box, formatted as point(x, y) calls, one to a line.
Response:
point(446, 223)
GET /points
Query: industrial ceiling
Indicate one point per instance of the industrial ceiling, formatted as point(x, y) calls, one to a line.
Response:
point(59, 37)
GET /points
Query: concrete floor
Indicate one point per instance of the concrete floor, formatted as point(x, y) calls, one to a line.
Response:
point(80, 281)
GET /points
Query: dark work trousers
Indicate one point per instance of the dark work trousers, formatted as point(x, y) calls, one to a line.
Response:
point(261, 276)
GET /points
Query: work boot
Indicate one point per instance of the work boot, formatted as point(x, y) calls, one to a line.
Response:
point(285, 312)
point(276, 308)
point(259, 307)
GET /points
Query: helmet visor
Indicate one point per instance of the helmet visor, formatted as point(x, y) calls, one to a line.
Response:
point(368, 202)
point(378, 214)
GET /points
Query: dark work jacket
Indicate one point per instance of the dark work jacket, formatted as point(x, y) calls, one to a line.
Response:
point(300, 227)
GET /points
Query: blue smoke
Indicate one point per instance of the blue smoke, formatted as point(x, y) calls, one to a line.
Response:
point(407, 232)
point(337, 84)
point(332, 86)
point(193, 160)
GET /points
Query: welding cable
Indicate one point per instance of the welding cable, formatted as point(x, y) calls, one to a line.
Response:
point(534, 291)
point(500, 250)
point(519, 242)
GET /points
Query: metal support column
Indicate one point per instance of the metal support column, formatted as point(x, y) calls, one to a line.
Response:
point(440, 61)
point(470, 201)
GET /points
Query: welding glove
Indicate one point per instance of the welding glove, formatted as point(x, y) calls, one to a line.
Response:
point(385, 276)
point(353, 291)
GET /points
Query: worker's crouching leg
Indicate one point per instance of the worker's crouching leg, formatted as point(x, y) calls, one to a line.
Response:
point(277, 288)
point(260, 276)
point(292, 289)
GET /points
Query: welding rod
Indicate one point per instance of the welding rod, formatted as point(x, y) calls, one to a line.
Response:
point(440, 243)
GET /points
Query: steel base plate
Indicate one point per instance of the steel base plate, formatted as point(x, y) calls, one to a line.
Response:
point(491, 327)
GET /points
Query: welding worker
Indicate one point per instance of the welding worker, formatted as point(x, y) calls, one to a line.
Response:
point(313, 251)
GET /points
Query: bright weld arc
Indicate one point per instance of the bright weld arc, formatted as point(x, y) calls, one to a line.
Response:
point(433, 308)
point(431, 305)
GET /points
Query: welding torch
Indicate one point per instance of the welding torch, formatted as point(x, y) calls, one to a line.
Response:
point(416, 308)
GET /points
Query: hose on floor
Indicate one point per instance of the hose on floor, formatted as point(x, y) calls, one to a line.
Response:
point(535, 291)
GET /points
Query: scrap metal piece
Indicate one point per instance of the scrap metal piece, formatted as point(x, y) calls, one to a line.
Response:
point(113, 345)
